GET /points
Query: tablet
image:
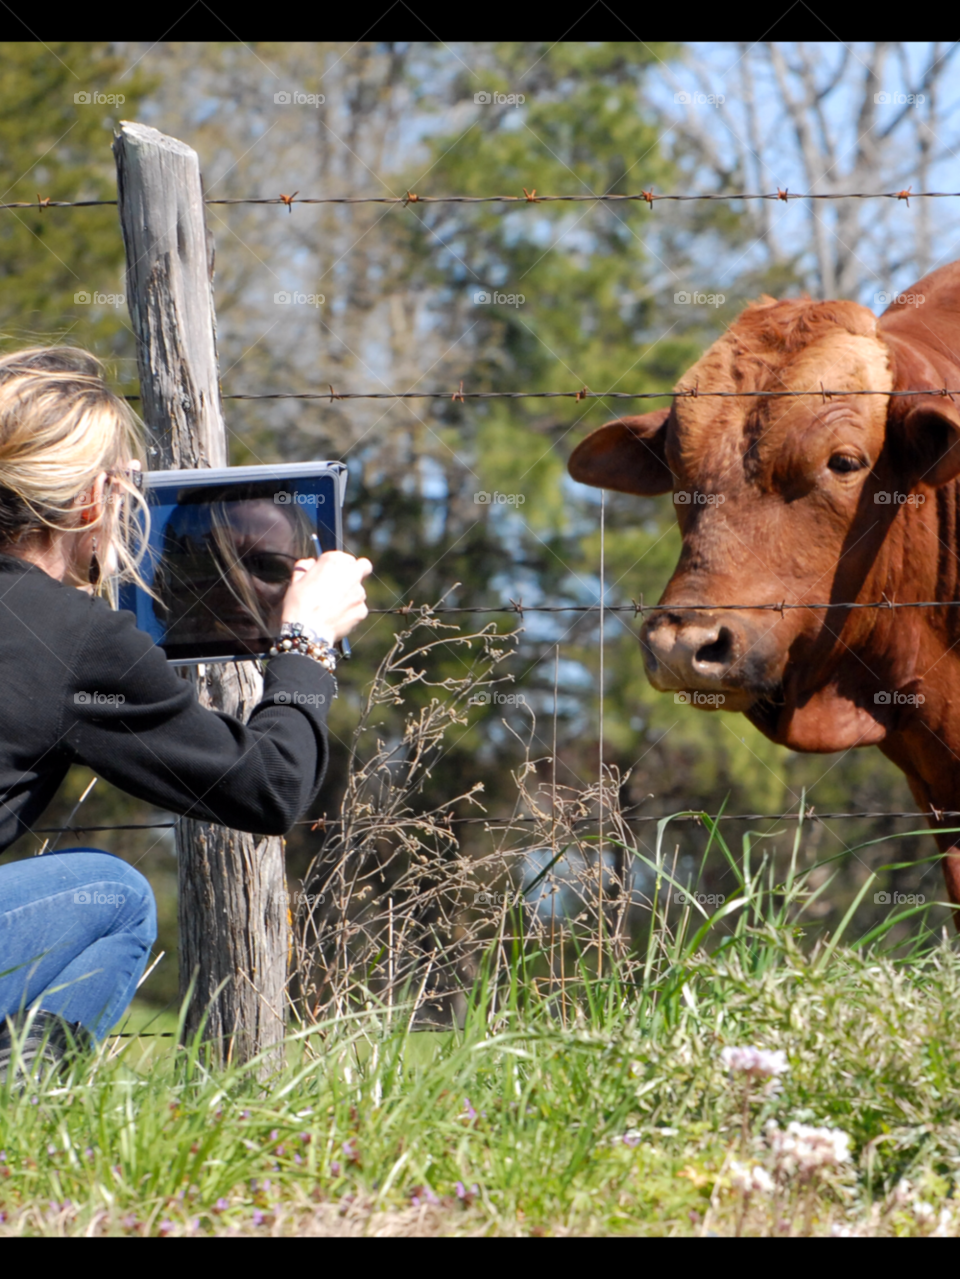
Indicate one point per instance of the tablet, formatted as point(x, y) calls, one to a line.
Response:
point(221, 552)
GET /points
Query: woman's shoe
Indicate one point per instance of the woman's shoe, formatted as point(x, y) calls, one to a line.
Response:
point(36, 1044)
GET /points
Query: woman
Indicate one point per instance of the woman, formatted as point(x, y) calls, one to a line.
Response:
point(80, 684)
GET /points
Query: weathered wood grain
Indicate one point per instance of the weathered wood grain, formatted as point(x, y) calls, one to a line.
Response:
point(232, 886)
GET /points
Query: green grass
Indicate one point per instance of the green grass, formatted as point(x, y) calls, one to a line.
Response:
point(608, 1113)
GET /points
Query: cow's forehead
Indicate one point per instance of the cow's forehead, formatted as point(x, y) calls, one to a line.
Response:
point(834, 359)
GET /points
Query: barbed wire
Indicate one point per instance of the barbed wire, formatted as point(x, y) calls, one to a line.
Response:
point(325, 824)
point(822, 393)
point(639, 609)
point(785, 195)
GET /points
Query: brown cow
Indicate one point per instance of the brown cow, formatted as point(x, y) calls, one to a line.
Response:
point(815, 500)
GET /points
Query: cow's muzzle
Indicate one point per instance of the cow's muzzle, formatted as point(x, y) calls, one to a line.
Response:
point(690, 651)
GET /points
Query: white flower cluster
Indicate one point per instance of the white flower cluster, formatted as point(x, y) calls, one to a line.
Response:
point(805, 1150)
point(751, 1179)
point(941, 1225)
point(760, 1063)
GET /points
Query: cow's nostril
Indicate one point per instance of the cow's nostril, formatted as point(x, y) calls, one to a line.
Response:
point(719, 652)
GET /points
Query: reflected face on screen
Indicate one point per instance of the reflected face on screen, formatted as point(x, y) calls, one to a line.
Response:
point(225, 569)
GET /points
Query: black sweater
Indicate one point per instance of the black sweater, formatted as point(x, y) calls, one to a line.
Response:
point(81, 685)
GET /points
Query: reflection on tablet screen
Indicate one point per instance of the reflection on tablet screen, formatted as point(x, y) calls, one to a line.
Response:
point(221, 557)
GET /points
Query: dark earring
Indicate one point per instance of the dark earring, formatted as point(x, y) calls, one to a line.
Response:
point(93, 573)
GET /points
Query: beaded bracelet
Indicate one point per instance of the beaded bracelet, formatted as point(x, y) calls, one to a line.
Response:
point(297, 638)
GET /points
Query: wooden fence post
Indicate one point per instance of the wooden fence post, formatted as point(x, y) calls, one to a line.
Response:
point(232, 886)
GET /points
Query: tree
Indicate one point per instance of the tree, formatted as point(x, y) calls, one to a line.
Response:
point(58, 106)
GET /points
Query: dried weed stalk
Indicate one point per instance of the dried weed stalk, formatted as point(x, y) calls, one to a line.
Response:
point(392, 910)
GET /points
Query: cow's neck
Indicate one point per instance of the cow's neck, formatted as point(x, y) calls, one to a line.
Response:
point(911, 656)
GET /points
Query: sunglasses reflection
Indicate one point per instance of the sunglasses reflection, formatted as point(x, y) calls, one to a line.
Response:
point(225, 566)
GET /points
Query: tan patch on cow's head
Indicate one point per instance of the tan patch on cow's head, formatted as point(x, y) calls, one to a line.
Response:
point(794, 345)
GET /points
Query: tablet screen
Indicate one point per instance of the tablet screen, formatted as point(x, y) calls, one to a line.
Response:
point(221, 556)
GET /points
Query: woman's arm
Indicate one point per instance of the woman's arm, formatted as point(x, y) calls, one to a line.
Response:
point(127, 715)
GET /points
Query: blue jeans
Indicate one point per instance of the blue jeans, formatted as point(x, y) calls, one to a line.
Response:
point(75, 931)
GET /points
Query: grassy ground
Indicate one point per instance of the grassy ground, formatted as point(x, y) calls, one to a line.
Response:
point(609, 1113)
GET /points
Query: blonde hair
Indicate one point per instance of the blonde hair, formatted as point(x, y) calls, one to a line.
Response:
point(60, 427)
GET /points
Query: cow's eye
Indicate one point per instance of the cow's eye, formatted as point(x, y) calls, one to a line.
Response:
point(844, 463)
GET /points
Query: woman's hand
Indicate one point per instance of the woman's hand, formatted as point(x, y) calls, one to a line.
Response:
point(327, 594)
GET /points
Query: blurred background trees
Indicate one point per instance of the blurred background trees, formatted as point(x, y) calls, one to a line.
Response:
point(404, 306)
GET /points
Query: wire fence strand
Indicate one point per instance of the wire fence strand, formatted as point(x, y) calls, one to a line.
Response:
point(331, 395)
point(527, 197)
point(325, 824)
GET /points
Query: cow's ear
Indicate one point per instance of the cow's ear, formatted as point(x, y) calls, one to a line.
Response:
point(626, 455)
point(932, 429)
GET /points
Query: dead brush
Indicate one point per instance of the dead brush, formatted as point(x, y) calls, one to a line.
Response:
point(392, 910)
